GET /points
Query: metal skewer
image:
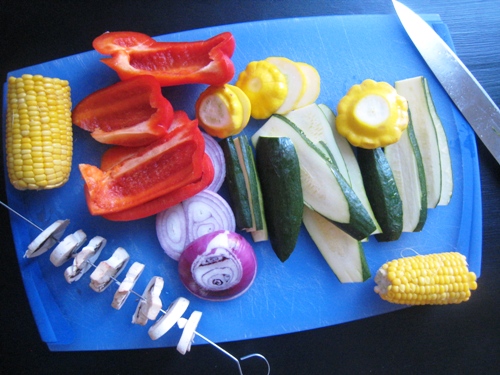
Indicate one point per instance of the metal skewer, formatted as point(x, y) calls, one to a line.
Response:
point(21, 216)
point(256, 355)
point(206, 339)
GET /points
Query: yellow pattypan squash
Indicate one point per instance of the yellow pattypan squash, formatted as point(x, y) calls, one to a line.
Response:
point(266, 87)
point(223, 111)
point(372, 115)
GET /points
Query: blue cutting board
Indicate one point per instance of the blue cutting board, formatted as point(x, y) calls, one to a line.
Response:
point(302, 293)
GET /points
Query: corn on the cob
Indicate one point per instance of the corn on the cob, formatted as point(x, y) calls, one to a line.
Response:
point(39, 133)
point(435, 279)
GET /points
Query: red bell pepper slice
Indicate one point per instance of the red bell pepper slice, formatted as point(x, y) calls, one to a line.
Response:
point(150, 172)
point(168, 200)
point(171, 63)
point(129, 113)
point(115, 155)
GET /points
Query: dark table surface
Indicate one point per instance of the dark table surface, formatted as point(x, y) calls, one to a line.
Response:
point(458, 339)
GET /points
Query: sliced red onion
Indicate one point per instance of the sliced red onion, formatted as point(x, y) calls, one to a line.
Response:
point(207, 212)
point(214, 151)
point(218, 266)
point(183, 223)
point(171, 230)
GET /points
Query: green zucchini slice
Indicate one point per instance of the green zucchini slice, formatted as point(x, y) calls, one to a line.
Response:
point(244, 186)
point(407, 167)
point(344, 254)
point(347, 153)
point(382, 192)
point(324, 188)
point(279, 173)
point(431, 139)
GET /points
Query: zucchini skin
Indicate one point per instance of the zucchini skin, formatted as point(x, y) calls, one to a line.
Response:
point(236, 184)
point(246, 201)
point(382, 192)
point(361, 225)
point(421, 172)
point(279, 172)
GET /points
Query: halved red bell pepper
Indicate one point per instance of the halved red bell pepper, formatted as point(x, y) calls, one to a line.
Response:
point(129, 113)
point(149, 172)
point(171, 63)
point(168, 200)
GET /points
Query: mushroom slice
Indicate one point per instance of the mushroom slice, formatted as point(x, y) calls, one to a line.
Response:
point(84, 259)
point(150, 304)
point(108, 270)
point(121, 295)
point(46, 239)
point(67, 248)
point(188, 332)
point(168, 320)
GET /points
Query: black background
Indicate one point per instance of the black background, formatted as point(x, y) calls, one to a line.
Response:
point(459, 339)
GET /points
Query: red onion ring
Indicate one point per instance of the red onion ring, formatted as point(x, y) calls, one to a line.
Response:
point(171, 230)
point(183, 223)
point(214, 151)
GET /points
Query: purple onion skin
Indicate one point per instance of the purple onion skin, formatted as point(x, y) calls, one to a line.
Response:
point(238, 246)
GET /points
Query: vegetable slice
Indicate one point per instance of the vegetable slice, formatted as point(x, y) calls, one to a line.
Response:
point(413, 90)
point(279, 171)
point(203, 213)
point(431, 137)
point(244, 186)
point(312, 85)
point(214, 151)
point(171, 230)
point(67, 248)
point(167, 164)
point(45, 240)
point(444, 151)
point(188, 332)
point(156, 205)
point(316, 127)
point(382, 192)
point(207, 212)
point(171, 63)
point(324, 188)
point(343, 253)
point(218, 266)
point(150, 304)
point(355, 179)
point(84, 259)
point(126, 286)
point(168, 320)
point(295, 80)
point(128, 113)
point(108, 270)
point(406, 163)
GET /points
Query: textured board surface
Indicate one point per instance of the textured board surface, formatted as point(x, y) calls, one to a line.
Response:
point(300, 294)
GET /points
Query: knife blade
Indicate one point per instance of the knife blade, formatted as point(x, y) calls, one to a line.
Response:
point(463, 88)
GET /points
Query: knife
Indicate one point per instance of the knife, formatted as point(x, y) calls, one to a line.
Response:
point(465, 91)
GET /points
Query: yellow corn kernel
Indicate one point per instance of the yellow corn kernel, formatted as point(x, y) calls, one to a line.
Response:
point(39, 132)
point(435, 279)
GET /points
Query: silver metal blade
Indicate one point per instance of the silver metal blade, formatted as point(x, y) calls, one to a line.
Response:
point(465, 91)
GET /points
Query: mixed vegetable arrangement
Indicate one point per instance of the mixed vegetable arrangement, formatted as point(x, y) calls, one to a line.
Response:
point(375, 168)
